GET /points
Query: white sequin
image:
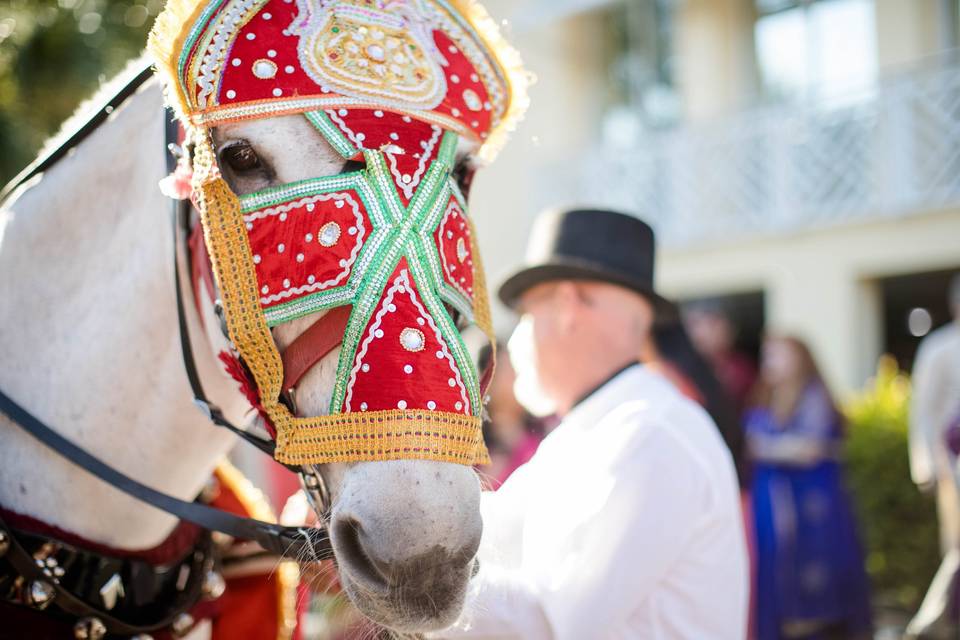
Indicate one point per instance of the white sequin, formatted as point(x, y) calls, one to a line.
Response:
point(431, 405)
point(365, 367)
point(231, 94)
point(280, 248)
point(451, 382)
point(363, 406)
point(256, 259)
point(407, 368)
point(472, 100)
point(402, 404)
point(299, 257)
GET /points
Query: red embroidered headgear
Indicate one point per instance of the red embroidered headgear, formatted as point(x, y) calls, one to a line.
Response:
point(401, 85)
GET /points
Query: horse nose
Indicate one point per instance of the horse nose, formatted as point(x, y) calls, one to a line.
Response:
point(410, 523)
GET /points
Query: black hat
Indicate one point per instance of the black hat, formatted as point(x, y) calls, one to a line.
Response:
point(588, 244)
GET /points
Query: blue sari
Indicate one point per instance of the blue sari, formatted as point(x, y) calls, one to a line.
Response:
point(811, 581)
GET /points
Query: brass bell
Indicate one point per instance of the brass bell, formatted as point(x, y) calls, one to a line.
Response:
point(213, 585)
point(39, 594)
point(4, 543)
point(182, 624)
point(89, 629)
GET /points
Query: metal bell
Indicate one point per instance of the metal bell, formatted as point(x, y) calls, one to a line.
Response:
point(182, 624)
point(4, 543)
point(213, 585)
point(89, 629)
point(39, 594)
point(142, 636)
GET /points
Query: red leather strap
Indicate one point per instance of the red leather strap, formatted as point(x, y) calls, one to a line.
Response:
point(323, 336)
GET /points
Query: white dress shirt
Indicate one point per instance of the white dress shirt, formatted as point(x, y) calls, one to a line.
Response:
point(625, 524)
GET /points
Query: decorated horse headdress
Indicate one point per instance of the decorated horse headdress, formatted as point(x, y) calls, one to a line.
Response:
point(401, 85)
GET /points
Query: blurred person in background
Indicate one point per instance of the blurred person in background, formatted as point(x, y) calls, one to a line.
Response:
point(934, 451)
point(626, 521)
point(674, 356)
point(512, 435)
point(811, 581)
point(714, 336)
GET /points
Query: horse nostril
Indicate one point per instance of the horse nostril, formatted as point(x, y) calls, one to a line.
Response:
point(351, 553)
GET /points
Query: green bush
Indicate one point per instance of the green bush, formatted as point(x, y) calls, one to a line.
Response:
point(898, 524)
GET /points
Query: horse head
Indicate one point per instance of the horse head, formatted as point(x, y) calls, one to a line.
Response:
point(334, 142)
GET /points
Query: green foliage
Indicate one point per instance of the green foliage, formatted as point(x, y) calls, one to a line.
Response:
point(53, 55)
point(898, 523)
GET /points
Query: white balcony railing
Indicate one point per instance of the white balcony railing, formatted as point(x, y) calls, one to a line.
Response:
point(785, 168)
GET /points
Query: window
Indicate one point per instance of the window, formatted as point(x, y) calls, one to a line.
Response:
point(818, 49)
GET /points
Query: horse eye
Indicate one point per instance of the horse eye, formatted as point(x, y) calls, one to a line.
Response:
point(241, 157)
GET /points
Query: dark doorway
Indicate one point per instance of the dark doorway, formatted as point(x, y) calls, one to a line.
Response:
point(913, 306)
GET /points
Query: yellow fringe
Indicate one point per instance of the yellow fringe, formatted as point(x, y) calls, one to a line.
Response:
point(165, 45)
point(518, 78)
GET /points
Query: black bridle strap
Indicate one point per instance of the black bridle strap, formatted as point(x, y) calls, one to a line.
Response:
point(286, 541)
point(181, 224)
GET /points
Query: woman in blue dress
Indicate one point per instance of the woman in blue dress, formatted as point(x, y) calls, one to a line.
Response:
point(811, 582)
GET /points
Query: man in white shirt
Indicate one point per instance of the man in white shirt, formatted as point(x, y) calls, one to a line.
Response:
point(934, 463)
point(626, 523)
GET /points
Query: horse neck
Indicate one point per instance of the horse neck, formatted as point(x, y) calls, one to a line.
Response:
point(89, 342)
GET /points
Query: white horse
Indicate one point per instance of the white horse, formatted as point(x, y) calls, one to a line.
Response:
point(89, 345)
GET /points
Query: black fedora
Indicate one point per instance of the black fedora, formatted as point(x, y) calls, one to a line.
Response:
point(588, 244)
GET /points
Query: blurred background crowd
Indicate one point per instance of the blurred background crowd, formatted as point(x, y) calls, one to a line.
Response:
point(800, 162)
